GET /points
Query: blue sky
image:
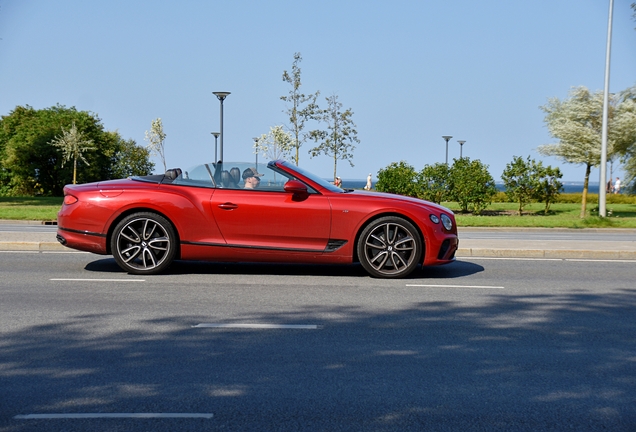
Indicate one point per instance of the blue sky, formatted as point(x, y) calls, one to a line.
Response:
point(411, 71)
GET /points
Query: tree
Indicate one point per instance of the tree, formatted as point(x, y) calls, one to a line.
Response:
point(434, 182)
point(398, 178)
point(550, 185)
point(29, 165)
point(521, 181)
point(130, 159)
point(577, 123)
point(337, 141)
point(73, 145)
point(302, 109)
point(626, 125)
point(32, 166)
point(276, 144)
point(471, 185)
point(156, 137)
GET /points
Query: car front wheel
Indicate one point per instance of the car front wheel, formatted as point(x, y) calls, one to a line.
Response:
point(390, 247)
point(144, 243)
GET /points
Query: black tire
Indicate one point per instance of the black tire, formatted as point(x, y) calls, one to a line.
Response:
point(390, 247)
point(144, 243)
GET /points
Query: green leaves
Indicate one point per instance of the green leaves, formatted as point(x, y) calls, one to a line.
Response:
point(30, 165)
point(467, 182)
point(528, 180)
point(471, 185)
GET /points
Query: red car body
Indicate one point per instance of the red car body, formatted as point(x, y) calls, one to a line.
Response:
point(292, 217)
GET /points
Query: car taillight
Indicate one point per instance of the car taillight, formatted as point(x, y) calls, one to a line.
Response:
point(69, 199)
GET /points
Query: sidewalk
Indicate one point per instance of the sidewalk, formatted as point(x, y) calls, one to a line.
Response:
point(619, 246)
point(609, 248)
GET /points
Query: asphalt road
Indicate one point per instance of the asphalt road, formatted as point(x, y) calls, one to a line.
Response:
point(481, 344)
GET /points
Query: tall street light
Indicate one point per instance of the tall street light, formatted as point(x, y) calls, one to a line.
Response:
point(447, 138)
point(256, 147)
point(216, 138)
point(602, 203)
point(221, 97)
point(461, 146)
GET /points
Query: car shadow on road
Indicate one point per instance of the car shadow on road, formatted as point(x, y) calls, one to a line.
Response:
point(449, 271)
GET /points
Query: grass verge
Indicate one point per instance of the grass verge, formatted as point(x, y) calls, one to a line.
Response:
point(30, 208)
point(499, 214)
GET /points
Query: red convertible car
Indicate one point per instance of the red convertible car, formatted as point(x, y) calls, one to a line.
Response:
point(236, 212)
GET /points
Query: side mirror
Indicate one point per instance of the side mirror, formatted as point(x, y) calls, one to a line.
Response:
point(295, 187)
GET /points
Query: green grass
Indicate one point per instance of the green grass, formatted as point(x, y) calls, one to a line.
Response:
point(499, 214)
point(30, 208)
point(561, 215)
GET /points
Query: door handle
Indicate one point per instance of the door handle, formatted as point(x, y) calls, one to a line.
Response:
point(228, 206)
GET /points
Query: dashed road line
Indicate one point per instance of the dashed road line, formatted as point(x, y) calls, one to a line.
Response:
point(111, 415)
point(257, 326)
point(455, 286)
point(96, 280)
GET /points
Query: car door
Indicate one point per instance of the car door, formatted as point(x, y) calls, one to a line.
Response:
point(276, 220)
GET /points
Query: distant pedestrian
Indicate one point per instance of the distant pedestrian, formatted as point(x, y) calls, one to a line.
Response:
point(617, 186)
point(610, 186)
point(368, 186)
point(338, 182)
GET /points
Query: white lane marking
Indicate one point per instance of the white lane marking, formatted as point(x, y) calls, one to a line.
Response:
point(112, 415)
point(98, 280)
point(258, 326)
point(599, 260)
point(511, 258)
point(455, 286)
point(547, 259)
point(64, 252)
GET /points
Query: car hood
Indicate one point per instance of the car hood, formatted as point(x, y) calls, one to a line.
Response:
point(401, 198)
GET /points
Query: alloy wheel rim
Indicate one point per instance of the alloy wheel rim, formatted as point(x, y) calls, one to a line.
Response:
point(143, 244)
point(390, 248)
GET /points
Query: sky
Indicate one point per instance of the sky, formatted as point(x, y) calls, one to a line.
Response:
point(411, 71)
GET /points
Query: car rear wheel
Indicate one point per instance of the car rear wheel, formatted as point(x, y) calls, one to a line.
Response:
point(144, 243)
point(390, 247)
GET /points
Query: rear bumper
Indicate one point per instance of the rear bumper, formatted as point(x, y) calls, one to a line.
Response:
point(84, 241)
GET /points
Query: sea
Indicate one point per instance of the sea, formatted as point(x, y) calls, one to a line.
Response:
point(568, 187)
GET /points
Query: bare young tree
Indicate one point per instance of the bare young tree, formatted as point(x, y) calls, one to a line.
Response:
point(339, 138)
point(301, 109)
point(276, 144)
point(73, 145)
point(156, 137)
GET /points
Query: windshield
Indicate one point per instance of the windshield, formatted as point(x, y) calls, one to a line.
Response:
point(236, 175)
point(322, 182)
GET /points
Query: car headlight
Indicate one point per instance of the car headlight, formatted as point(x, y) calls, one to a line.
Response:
point(434, 219)
point(447, 222)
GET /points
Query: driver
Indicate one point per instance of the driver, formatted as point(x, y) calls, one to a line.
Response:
point(252, 178)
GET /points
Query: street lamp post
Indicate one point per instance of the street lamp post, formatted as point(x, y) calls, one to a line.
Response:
point(216, 138)
point(447, 138)
point(461, 146)
point(256, 147)
point(602, 198)
point(221, 97)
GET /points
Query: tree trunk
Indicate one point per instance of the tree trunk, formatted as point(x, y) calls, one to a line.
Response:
point(586, 183)
point(74, 170)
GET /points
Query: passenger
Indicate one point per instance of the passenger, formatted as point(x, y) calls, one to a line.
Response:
point(252, 178)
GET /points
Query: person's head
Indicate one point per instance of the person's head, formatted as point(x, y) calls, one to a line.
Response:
point(252, 178)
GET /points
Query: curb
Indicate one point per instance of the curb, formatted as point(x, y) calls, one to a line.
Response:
point(461, 252)
point(32, 247)
point(546, 253)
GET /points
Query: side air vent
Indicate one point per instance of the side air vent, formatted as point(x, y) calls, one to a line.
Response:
point(334, 245)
